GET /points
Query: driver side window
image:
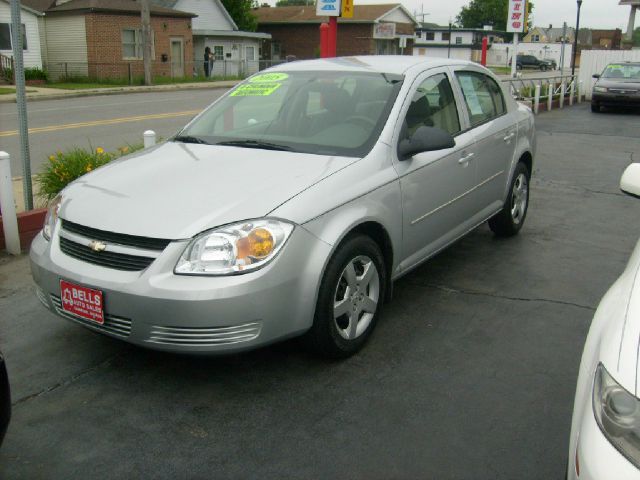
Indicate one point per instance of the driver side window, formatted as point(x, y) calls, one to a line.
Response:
point(433, 105)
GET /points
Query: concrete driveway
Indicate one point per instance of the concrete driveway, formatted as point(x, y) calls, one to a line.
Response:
point(469, 375)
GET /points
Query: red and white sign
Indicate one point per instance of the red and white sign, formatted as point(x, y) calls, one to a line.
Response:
point(517, 16)
point(82, 301)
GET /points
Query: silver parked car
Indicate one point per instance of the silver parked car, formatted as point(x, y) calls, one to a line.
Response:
point(289, 206)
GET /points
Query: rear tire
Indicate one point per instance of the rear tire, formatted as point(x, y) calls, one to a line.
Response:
point(350, 298)
point(595, 108)
point(510, 219)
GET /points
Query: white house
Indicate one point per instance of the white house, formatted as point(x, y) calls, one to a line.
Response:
point(458, 43)
point(31, 37)
point(234, 51)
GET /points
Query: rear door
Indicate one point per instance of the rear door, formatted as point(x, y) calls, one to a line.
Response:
point(495, 132)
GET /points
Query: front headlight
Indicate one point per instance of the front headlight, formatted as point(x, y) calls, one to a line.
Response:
point(600, 89)
point(237, 248)
point(617, 413)
point(51, 217)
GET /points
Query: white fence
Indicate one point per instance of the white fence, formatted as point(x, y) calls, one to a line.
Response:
point(594, 61)
point(500, 53)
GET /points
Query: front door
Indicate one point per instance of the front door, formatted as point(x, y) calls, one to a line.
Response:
point(436, 205)
point(177, 57)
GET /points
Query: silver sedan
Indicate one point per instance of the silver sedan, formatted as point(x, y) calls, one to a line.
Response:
point(289, 206)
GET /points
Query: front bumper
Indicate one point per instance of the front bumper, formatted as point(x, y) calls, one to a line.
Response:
point(157, 309)
point(615, 99)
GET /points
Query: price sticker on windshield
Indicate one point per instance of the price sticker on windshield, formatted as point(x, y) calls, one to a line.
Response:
point(256, 89)
point(269, 78)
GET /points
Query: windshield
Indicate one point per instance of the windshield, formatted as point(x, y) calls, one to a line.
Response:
point(328, 113)
point(624, 72)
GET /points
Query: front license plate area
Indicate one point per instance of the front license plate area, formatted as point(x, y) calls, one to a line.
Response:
point(82, 301)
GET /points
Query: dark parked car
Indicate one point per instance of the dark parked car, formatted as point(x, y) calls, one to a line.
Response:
point(5, 399)
point(618, 86)
point(529, 61)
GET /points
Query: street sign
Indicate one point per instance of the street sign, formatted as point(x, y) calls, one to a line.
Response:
point(347, 8)
point(517, 16)
point(328, 8)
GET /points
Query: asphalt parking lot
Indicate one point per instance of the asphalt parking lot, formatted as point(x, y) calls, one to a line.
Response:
point(469, 375)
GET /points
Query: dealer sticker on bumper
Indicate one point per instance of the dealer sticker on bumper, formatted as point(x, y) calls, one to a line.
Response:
point(82, 301)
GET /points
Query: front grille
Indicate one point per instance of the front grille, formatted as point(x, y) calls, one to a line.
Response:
point(204, 337)
point(112, 324)
point(623, 91)
point(118, 261)
point(119, 238)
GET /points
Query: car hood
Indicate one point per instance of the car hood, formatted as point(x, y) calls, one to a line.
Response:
point(630, 84)
point(177, 190)
point(621, 326)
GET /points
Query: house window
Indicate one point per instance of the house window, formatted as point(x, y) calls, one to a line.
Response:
point(430, 36)
point(446, 36)
point(535, 38)
point(250, 53)
point(458, 40)
point(5, 36)
point(132, 45)
point(218, 52)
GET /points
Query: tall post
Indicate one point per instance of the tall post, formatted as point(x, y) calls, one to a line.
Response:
point(324, 40)
point(8, 207)
point(333, 36)
point(146, 40)
point(632, 23)
point(21, 100)
point(449, 47)
point(514, 56)
point(575, 40)
point(485, 46)
point(564, 44)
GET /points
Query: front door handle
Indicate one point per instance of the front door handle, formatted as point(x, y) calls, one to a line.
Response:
point(509, 137)
point(465, 160)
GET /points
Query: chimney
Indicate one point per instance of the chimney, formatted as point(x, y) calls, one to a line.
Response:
point(550, 26)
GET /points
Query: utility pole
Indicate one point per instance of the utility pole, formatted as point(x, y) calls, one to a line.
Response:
point(146, 40)
point(575, 41)
point(21, 100)
point(564, 44)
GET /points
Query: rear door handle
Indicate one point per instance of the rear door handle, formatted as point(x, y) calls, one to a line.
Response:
point(509, 137)
point(465, 160)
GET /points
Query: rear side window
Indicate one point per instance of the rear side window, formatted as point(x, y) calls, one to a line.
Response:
point(483, 97)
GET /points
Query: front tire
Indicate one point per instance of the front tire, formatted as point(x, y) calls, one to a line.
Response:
point(510, 219)
point(595, 108)
point(350, 298)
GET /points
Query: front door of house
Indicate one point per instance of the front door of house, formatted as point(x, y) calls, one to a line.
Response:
point(177, 57)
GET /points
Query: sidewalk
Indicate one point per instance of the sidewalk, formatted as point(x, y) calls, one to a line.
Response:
point(42, 93)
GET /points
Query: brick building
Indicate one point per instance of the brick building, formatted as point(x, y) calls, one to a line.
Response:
point(102, 39)
point(373, 30)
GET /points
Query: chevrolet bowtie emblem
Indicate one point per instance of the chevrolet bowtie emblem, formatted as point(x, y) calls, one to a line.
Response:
point(97, 246)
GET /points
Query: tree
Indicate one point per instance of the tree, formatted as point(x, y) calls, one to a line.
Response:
point(636, 37)
point(486, 12)
point(240, 11)
point(288, 3)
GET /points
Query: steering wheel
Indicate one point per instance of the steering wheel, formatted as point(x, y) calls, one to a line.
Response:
point(362, 121)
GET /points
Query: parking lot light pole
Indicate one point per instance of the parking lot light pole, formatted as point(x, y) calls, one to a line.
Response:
point(575, 40)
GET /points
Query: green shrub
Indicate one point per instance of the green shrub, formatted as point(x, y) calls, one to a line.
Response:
point(35, 74)
point(64, 167)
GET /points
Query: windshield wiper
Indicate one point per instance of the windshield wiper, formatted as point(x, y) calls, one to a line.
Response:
point(254, 144)
point(190, 139)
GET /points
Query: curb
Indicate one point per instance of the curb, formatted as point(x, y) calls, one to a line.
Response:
point(124, 90)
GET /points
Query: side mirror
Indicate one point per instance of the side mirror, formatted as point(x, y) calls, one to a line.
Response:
point(596, 75)
point(425, 139)
point(630, 181)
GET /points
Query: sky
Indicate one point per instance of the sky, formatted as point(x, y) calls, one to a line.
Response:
point(595, 13)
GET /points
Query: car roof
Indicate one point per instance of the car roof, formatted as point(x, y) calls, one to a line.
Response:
point(397, 64)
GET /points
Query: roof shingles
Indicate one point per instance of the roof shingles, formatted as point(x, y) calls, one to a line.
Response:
point(307, 14)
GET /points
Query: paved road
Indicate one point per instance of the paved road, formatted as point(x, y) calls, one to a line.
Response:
point(104, 121)
point(469, 375)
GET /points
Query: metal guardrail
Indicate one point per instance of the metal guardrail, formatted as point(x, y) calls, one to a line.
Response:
point(546, 90)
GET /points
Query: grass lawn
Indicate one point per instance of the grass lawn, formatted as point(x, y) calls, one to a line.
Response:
point(85, 84)
point(501, 70)
point(4, 90)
